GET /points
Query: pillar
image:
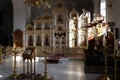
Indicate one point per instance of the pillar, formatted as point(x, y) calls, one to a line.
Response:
point(24, 66)
point(34, 63)
point(27, 66)
point(31, 66)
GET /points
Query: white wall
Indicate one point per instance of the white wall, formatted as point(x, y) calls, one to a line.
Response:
point(96, 6)
point(19, 14)
point(113, 15)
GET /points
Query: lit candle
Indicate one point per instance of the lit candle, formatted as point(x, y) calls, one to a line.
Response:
point(104, 39)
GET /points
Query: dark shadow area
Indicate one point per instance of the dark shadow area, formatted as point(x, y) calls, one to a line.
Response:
point(6, 22)
point(96, 64)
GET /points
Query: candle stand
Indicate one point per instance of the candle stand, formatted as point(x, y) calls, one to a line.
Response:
point(14, 75)
point(46, 76)
point(105, 75)
point(116, 57)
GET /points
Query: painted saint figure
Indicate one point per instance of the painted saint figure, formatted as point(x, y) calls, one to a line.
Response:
point(46, 40)
point(30, 42)
point(38, 42)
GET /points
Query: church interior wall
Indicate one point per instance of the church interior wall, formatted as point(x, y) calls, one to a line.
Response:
point(113, 15)
point(20, 15)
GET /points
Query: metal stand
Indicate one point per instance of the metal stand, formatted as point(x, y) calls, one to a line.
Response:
point(115, 56)
point(14, 75)
point(105, 75)
point(45, 76)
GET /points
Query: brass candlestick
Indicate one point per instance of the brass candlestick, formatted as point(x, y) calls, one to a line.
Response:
point(45, 76)
point(14, 75)
point(105, 75)
point(115, 56)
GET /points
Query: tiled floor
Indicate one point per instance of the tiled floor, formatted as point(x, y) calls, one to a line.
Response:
point(65, 70)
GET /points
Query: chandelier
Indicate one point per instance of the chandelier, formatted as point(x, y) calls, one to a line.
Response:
point(38, 3)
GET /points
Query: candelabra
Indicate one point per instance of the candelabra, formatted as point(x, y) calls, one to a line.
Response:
point(14, 75)
point(45, 76)
point(105, 75)
point(115, 56)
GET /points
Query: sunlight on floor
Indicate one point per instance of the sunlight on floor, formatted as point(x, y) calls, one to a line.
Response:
point(1, 76)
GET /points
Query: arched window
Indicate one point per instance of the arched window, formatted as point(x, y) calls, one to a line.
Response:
point(103, 9)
